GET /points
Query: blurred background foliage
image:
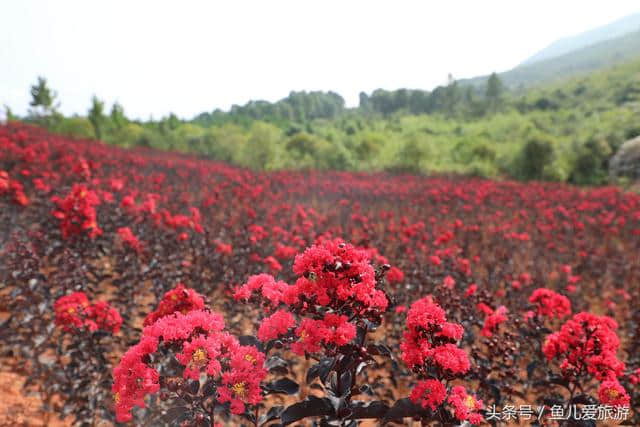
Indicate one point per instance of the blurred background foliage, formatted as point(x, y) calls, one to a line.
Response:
point(564, 130)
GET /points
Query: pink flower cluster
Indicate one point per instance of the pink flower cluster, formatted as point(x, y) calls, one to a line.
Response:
point(179, 299)
point(77, 212)
point(127, 237)
point(466, 407)
point(430, 339)
point(74, 312)
point(493, 320)
point(334, 273)
point(206, 350)
point(335, 279)
point(432, 393)
point(13, 188)
point(550, 303)
point(587, 345)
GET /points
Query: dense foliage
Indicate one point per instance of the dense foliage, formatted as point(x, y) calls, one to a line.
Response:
point(578, 124)
point(161, 289)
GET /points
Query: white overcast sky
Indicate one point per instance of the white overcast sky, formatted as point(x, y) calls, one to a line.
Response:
point(156, 57)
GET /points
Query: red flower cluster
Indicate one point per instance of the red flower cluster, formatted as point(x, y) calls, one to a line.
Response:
point(127, 236)
point(336, 281)
point(332, 329)
point(587, 345)
point(550, 303)
point(276, 325)
point(242, 381)
point(429, 338)
point(179, 299)
point(13, 187)
point(275, 292)
point(395, 275)
point(612, 393)
point(74, 312)
point(77, 212)
point(223, 248)
point(429, 393)
point(493, 320)
point(334, 273)
point(206, 350)
point(69, 311)
point(466, 407)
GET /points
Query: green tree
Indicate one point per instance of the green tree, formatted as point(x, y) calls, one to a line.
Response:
point(96, 116)
point(592, 162)
point(42, 99)
point(260, 149)
point(494, 93)
point(535, 156)
point(411, 154)
point(117, 115)
point(8, 114)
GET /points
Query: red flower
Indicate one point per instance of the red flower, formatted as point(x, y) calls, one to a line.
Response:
point(429, 338)
point(494, 320)
point(586, 342)
point(310, 335)
point(129, 238)
point(205, 347)
point(395, 275)
point(198, 353)
point(223, 248)
point(240, 388)
point(466, 407)
point(334, 272)
point(70, 311)
point(451, 358)
point(429, 393)
point(101, 315)
point(338, 329)
point(276, 325)
point(449, 282)
point(273, 264)
point(179, 299)
point(77, 212)
point(471, 290)
point(550, 303)
point(612, 393)
point(484, 308)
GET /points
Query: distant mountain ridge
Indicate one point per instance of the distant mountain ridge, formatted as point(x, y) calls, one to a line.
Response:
point(580, 61)
point(619, 28)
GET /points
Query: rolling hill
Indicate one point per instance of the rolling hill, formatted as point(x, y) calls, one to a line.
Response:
point(613, 30)
point(544, 67)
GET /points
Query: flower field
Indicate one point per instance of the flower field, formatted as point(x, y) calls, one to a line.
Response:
point(141, 287)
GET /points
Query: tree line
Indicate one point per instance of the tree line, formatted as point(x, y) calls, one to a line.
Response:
point(564, 132)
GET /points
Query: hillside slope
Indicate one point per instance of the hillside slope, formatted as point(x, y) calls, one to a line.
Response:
point(579, 62)
point(613, 30)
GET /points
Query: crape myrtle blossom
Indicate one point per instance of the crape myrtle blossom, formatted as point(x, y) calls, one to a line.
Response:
point(206, 350)
point(127, 237)
point(74, 312)
point(586, 346)
point(179, 299)
point(550, 303)
point(466, 407)
point(77, 212)
point(336, 281)
point(586, 343)
point(493, 320)
point(430, 342)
